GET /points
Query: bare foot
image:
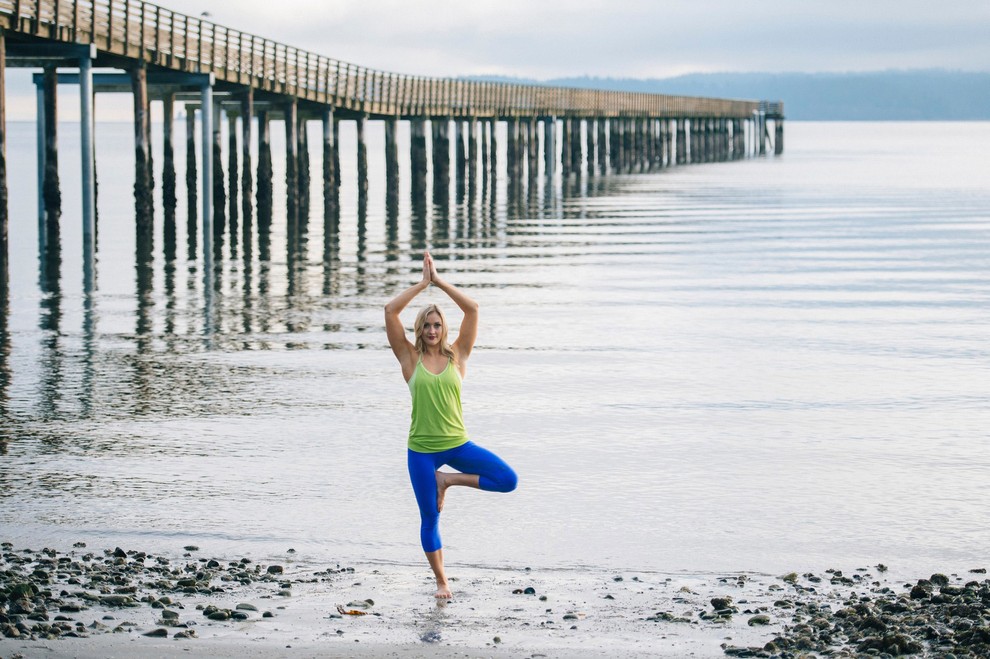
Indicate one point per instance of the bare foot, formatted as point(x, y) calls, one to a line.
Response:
point(442, 486)
point(443, 592)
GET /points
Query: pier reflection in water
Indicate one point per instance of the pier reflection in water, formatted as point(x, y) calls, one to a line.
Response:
point(739, 345)
point(278, 277)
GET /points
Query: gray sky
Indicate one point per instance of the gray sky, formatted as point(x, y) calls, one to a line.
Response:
point(619, 38)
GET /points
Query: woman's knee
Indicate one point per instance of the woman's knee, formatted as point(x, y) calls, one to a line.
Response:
point(505, 480)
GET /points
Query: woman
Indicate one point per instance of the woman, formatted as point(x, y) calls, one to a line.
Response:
point(433, 369)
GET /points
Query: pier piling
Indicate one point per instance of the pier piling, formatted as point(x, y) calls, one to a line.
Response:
point(217, 178)
point(264, 193)
point(168, 157)
point(247, 180)
point(291, 160)
point(232, 179)
point(330, 197)
point(51, 192)
point(391, 157)
point(362, 159)
point(417, 157)
point(191, 178)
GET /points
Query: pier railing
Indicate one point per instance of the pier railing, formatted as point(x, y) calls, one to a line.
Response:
point(161, 37)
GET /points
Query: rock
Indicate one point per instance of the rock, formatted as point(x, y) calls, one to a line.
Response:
point(246, 607)
point(760, 619)
point(275, 569)
point(21, 606)
point(119, 553)
point(529, 591)
point(161, 632)
point(22, 590)
point(191, 548)
point(721, 603)
point(170, 615)
point(118, 600)
point(893, 644)
point(939, 580)
point(219, 615)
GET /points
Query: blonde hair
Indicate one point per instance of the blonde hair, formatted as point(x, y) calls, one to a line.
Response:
point(420, 323)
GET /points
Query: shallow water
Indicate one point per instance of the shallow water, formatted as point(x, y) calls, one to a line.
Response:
point(770, 365)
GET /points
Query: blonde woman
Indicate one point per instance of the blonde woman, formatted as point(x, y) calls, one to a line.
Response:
point(433, 369)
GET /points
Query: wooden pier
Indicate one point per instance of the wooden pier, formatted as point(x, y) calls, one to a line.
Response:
point(218, 73)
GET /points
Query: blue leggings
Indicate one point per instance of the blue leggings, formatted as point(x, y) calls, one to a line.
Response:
point(494, 475)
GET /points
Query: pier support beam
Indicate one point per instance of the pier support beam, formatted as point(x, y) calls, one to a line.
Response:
point(391, 156)
point(232, 201)
point(631, 146)
point(143, 185)
point(417, 157)
point(264, 194)
point(191, 178)
point(512, 149)
point(206, 119)
point(778, 142)
point(680, 126)
point(762, 121)
point(532, 150)
point(441, 159)
point(472, 150)
point(218, 185)
point(51, 193)
point(602, 146)
point(290, 110)
point(88, 157)
point(590, 144)
point(493, 132)
point(460, 159)
point(168, 157)
point(302, 166)
point(565, 146)
point(247, 181)
point(330, 196)
point(549, 146)
point(486, 156)
point(577, 157)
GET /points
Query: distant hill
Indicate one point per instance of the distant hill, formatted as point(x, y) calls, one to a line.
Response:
point(874, 96)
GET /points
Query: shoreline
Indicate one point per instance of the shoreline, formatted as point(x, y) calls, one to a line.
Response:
point(103, 602)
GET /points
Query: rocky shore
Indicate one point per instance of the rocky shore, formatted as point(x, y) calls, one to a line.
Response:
point(56, 603)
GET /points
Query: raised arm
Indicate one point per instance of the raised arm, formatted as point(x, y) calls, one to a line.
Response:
point(403, 349)
point(469, 325)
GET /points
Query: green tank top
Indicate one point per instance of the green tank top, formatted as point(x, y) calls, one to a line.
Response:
point(437, 419)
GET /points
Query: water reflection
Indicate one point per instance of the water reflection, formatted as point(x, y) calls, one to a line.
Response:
point(244, 297)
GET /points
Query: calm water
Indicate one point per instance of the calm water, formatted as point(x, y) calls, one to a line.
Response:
point(771, 365)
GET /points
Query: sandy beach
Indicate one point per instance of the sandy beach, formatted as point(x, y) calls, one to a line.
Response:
point(118, 603)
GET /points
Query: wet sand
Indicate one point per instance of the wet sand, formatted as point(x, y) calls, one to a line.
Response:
point(104, 603)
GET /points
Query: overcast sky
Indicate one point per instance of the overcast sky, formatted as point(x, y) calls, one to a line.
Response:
point(619, 38)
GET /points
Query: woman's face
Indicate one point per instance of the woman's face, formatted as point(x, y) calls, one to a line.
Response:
point(432, 329)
